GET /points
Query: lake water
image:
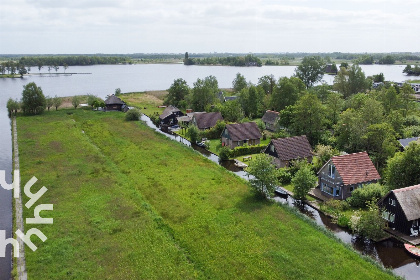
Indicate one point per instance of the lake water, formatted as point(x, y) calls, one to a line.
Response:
point(104, 79)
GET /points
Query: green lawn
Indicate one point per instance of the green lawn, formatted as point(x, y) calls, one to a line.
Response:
point(147, 102)
point(131, 204)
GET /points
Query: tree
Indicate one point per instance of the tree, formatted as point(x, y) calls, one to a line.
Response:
point(380, 78)
point(12, 106)
point(75, 101)
point(267, 83)
point(91, 100)
point(323, 153)
point(232, 111)
point(193, 133)
point(177, 93)
point(351, 81)
point(239, 83)
point(204, 93)
point(33, 100)
point(309, 117)
point(265, 178)
point(22, 70)
point(65, 66)
point(369, 223)
point(48, 102)
point(132, 115)
point(303, 181)
point(407, 98)
point(117, 91)
point(251, 100)
point(335, 104)
point(286, 92)
point(311, 70)
point(57, 101)
point(381, 143)
point(403, 169)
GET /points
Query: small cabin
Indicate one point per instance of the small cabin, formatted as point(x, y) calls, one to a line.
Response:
point(401, 209)
point(285, 150)
point(114, 103)
point(170, 115)
point(238, 134)
point(341, 175)
point(206, 120)
point(270, 119)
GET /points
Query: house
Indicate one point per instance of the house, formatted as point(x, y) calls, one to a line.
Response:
point(404, 142)
point(169, 115)
point(206, 120)
point(270, 119)
point(238, 134)
point(343, 174)
point(284, 150)
point(114, 103)
point(401, 208)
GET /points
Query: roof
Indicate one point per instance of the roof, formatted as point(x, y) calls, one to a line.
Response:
point(243, 131)
point(168, 111)
point(355, 168)
point(409, 200)
point(270, 117)
point(207, 120)
point(112, 99)
point(404, 142)
point(292, 147)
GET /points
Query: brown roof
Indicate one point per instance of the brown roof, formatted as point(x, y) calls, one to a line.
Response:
point(270, 117)
point(292, 147)
point(168, 111)
point(355, 168)
point(112, 99)
point(207, 120)
point(243, 131)
point(409, 199)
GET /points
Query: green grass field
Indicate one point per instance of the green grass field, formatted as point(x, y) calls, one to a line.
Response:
point(131, 204)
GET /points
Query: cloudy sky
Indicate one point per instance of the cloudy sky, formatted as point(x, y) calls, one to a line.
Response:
point(177, 26)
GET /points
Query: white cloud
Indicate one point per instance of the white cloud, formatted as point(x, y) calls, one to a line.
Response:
point(77, 26)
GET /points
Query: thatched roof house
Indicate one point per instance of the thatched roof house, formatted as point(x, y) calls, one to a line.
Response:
point(284, 150)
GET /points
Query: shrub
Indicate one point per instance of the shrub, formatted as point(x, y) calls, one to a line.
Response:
point(225, 153)
point(132, 115)
point(369, 223)
point(193, 134)
point(361, 196)
point(247, 150)
point(284, 176)
point(302, 182)
point(215, 131)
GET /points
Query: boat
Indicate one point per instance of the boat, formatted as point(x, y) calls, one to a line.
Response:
point(415, 251)
point(280, 191)
point(240, 164)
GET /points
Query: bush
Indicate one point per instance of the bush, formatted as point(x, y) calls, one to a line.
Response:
point(215, 131)
point(225, 153)
point(284, 176)
point(132, 115)
point(302, 182)
point(361, 196)
point(193, 134)
point(369, 223)
point(247, 150)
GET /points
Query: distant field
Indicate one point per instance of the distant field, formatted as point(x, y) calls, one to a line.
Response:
point(131, 204)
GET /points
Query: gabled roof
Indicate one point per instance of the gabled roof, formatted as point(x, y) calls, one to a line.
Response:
point(409, 199)
point(207, 120)
point(292, 147)
point(270, 117)
point(112, 99)
point(355, 168)
point(243, 131)
point(404, 142)
point(169, 111)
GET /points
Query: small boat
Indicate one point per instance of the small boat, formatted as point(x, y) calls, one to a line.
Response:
point(412, 250)
point(280, 191)
point(240, 164)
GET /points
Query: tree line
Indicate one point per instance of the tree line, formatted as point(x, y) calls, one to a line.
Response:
point(248, 60)
point(72, 60)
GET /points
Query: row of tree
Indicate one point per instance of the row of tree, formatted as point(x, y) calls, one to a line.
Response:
point(248, 60)
point(72, 60)
point(409, 70)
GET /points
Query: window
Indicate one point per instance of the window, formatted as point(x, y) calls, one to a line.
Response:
point(385, 215)
point(327, 189)
point(336, 191)
point(391, 217)
point(272, 148)
point(415, 223)
point(331, 171)
point(392, 202)
point(351, 188)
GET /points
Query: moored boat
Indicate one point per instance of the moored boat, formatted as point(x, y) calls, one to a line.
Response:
point(412, 250)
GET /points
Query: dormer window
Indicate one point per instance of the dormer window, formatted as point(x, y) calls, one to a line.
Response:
point(272, 148)
point(331, 171)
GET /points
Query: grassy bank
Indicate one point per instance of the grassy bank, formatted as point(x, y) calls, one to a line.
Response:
point(131, 204)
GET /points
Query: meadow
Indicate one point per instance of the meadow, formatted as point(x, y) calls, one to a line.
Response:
point(132, 204)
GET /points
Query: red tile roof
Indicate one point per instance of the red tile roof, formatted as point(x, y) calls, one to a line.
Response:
point(292, 147)
point(355, 168)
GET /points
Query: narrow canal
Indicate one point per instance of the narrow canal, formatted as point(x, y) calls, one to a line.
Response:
point(390, 253)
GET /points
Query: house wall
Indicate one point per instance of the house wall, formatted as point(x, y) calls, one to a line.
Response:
point(227, 141)
point(330, 186)
point(400, 222)
point(113, 107)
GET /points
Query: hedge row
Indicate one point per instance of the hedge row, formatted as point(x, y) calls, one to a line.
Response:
point(247, 150)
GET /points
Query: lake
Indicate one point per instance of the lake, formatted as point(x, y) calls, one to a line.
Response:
point(104, 79)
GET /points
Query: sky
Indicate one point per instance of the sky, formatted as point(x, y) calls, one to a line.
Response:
point(196, 26)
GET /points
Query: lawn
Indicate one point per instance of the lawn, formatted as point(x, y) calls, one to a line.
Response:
point(147, 102)
point(131, 204)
